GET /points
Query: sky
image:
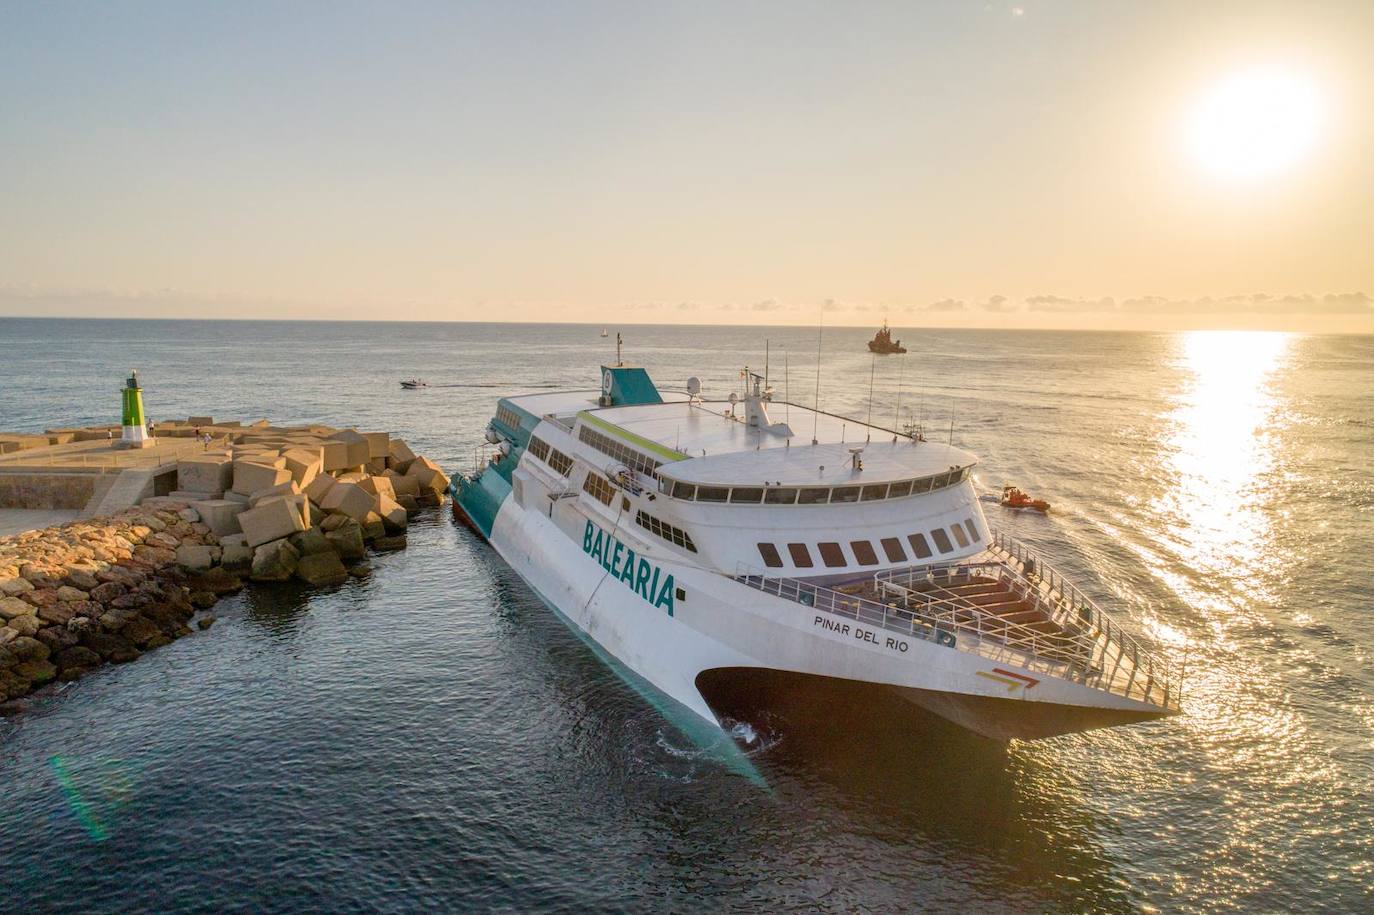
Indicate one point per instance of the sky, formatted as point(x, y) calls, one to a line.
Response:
point(1100, 164)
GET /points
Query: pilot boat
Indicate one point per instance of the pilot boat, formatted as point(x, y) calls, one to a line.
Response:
point(1012, 497)
point(882, 342)
point(692, 538)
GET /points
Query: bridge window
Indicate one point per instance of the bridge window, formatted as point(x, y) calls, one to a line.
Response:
point(863, 551)
point(844, 494)
point(831, 554)
point(780, 496)
point(539, 448)
point(874, 492)
point(897, 490)
point(598, 488)
point(749, 494)
point(507, 416)
point(972, 529)
point(958, 531)
point(801, 556)
point(921, 485)
point(941, 540)
point(684, 491)
point(893, 548)
point(919, 547)
point(813, 495)
point(770, 555)
point(713, 493)
point(658, 528)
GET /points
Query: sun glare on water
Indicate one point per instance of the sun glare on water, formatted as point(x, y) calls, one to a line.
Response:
point(1256, 123)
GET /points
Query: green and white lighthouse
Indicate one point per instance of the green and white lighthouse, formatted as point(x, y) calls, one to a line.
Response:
point(135, 424)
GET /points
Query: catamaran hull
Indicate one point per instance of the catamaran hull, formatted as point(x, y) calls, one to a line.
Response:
point(715, 623)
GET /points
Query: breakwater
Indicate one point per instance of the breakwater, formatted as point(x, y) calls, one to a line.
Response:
point(265, 504)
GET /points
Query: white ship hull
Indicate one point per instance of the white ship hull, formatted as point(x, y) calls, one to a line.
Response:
point(724, 624)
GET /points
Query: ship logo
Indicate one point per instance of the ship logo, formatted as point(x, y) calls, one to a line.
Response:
point(1009, 679)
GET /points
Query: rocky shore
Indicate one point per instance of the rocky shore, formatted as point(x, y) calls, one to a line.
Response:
point(105, 590)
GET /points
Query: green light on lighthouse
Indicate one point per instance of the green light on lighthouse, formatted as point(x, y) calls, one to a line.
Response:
point(135, 426)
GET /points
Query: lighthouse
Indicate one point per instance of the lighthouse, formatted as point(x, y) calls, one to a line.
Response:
point(135, 426)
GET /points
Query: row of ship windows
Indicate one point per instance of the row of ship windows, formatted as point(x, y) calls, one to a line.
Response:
point(550, 455)
point(832, 554)
point(509, 417)
point(666, 531)
point(618, 450)
point(813, 495)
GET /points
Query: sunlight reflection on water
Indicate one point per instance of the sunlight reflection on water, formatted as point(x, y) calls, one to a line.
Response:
point(1225, 423)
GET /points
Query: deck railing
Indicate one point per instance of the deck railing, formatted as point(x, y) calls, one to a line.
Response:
point(1087, 646)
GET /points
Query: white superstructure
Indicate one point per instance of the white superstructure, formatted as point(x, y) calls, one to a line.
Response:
point(688, 536)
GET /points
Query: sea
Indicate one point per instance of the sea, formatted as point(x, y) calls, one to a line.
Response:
point(432, 738)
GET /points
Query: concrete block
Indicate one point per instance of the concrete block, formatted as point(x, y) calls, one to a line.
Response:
point(320, 569)
point(350, 475)
point(378, 444)
point(205, 473)
point(403, 485)
point(378, 486)
point(394, 517)
point(61, 438)
point(238, 497)
point(304, 464)
point(409, 503)
point(373, 526)
point(274, 561)
point(356, 444)
point(271, 520)
point(200, 420)
point(400, 452)
point(190, 495)
point(285, 488)
point(319, 488)
point(428, 475)
point(237, 553)
point(249, 476)
point(220, 515)
point(335, 455)
point(348, 499)
point(375, 466)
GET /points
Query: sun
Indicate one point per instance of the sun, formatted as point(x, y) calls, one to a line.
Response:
point(1256, 123)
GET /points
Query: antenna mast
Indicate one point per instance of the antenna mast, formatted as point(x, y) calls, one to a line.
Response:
point(897, 413)
point(872, 367)
point(618, 360)
point(816, 411)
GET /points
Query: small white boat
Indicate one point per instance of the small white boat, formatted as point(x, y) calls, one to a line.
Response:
point(604, 332)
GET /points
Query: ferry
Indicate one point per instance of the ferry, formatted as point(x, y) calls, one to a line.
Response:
point(692, 539)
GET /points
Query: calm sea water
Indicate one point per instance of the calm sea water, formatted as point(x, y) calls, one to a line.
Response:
point(433, 738)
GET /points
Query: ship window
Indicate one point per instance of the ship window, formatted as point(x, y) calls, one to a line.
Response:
point(958, 531)
point(751, 494)
point(813, 496)
point(801, 556)
point(780, 496)
point(922, 485)
point(972, 529)
point(831, 555)
point(712, 493)
point(674, 535)
point(508, 416)
point(941, 540)
point(684, 491)
point(897, 490)
point(863, 551)
point(893, 548)
point(770, 555)
point(919, 547)
point(597, 486)
point(560, 462)
point(878, 491)
point(844, 494)
point(539, 448)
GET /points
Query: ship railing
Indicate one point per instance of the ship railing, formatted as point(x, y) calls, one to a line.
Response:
point(1093, 655)
point(1106, 654)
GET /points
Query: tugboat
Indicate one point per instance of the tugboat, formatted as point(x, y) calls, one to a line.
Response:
point(882, 342)
point(1015, 498)
point(699, 541)
point(414, 383)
